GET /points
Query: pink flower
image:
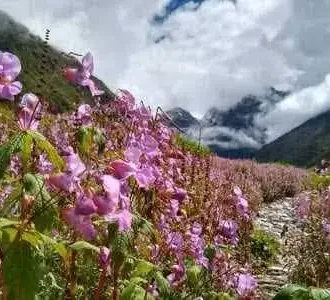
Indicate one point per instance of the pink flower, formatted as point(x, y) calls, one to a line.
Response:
point(105, 205)
point(241, 203)
point(122, 218)
point(150, 146)
point(145, 177)
point(125, 100)
point(112, 187)
point(109, 203)
point(82, 74)
point(81, 223)
point(180, 194)
point(84, 114)
point(74, 165)
point(85, 204)
point(177, 274)
point(246, 283)
point(174, 204)
point(44, 166)
point(104, 257)
point(10, 67)
point(122, 169)
point(62, 181)
point(326, 227)
point(229, 230)
point(30, 108)
point(303, 206)
point(5, 192)
point(133, 154)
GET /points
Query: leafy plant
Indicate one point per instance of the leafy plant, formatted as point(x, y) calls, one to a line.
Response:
point(296, 292)
point(264, 248)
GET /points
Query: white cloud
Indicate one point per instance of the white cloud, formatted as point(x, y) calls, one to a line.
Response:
point(211, 56)
point(296, 109)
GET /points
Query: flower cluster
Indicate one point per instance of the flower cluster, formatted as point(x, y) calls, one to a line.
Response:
point(117, 165)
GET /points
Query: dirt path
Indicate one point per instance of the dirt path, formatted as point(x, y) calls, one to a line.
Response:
point(272, 218)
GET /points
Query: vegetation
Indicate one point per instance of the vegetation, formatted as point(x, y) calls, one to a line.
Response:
point(264, 249)
point(304, 146)
point(41, 65)
point(191, 145)
point(105, 201)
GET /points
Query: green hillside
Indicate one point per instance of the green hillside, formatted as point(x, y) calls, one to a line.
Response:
point(303, 146)
point(41, 66)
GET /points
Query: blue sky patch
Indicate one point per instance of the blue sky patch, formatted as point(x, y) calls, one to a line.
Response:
point(171, 7)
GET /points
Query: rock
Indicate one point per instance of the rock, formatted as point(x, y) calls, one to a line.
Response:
point(278, 220)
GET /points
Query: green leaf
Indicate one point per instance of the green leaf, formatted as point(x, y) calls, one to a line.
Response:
point(219, 296)
point(320, 294)
point(143, 225)
point(31, 238)
point(84, 138)
point(35, 238)
point(7, 150)
point(112, 231)
point(6, 222)
point(162, 283)
point(61, 249)
point(33, 184)
point(21, 271)
point(44, 212)
point(292, 292)
point(83, 245)
point(26, 151)
point(143, 268)
point(133, 290)
point(100, 140)
point(8, 235)
point(119, 248)
point(193, 275)
point(45, 146)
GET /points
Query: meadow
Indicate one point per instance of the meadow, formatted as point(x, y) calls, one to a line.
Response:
point(108, 202)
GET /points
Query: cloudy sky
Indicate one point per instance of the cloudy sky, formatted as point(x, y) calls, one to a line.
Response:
point(198, 54)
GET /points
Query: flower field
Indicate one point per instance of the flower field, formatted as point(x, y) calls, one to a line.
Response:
point(105, 203)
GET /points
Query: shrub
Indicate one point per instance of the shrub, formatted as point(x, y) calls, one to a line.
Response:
point(309, 248)
point(318, 182)
point(264, 248)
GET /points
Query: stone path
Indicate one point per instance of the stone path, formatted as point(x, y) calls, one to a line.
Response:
point(273, 217)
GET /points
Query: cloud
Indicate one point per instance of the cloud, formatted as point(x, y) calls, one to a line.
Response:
point(296, 109)
point(207, 55)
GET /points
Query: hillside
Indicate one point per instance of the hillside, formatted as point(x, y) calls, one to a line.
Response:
point(41, 65)
point(303, 146)
point(231, 133)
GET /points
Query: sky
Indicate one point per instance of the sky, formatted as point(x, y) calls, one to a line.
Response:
point(198, 54)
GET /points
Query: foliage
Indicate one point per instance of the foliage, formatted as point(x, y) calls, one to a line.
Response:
point(311, 245)
point(191, 145)
point(264, 248)
point(107, 201)
point(296, 292)
point(318, 182)
point(42, 65)
point(304, 146)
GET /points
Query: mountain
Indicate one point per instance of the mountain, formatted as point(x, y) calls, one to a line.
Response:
point(41, 66)
point(303, 146)
point(182, 118)
point(231, 133)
